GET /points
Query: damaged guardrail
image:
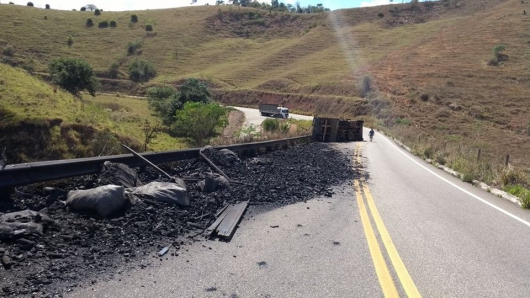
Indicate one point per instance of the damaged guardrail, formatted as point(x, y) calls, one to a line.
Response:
point(28, 173)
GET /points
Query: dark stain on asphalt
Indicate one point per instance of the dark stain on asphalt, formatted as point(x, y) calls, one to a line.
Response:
point(336, 243)
point(306, 234)
point(212, 289)
point(262, 264)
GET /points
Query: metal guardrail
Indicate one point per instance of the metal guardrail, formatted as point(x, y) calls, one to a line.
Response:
point(28, 173)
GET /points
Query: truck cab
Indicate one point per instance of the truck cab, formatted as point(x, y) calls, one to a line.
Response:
point(284, 112)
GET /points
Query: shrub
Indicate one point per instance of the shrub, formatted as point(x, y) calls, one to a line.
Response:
point(83, 8)
point(199, 121)
point(73, 75)
point(30, 4)
point(8, 50)
point(89, 23)
point(164, 100)
point(498, 49)
point(141, 70)
point(403, 121)
point(113, 70)
point(424, 97)
point(11, 3)
point(97, 12)
point(194, 90)
point(148, 27)
point(103, 24)
point(381, 15)
point(271, 125)
point(468, 178)
point(133, 47)
point(440, 159)
point(113, 24)
point(134, 18)
point(45, 17)
point(70, 41)
point(47, 6)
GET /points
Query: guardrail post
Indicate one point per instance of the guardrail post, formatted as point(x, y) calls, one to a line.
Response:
point(478, 154)
point(507, 161)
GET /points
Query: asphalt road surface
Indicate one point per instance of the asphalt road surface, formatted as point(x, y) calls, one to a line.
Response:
point(404, 229)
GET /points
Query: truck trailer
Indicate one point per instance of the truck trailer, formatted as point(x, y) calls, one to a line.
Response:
point(273, 110)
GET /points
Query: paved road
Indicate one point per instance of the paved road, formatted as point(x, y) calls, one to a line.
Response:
point(254, 118)
point(405, 229)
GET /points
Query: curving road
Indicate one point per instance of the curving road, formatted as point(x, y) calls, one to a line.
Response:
point(254, 118)
point(405, 229)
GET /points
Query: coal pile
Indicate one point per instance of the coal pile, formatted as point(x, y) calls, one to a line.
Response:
point(79, 249)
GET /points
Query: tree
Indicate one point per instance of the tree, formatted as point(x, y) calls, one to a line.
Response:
point(30, 4)
point(164, 100)
point(141, 70)
point(97, 12)
point(198, 121)
point(91, 7)
point(194, 90)
point(83, 8)
point(73, 75)
point(70, 41)
point(47, 6)
point(219, 2)
point(150, 131)
point(275, 4)
point(134, 18)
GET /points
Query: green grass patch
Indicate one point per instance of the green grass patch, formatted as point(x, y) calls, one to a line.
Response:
point(521, 192)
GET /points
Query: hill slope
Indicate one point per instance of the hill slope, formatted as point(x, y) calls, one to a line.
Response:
point(429, 62)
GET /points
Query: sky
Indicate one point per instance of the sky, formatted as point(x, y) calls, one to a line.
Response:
point(120, 5)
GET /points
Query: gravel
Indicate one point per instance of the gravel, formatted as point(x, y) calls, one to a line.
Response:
point(81, 249)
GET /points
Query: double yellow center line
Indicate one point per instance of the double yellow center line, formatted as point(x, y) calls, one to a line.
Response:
point(383, 274)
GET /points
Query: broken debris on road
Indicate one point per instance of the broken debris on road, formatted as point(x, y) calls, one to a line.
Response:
point(74, 248)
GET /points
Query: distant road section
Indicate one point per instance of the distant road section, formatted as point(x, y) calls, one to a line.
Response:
point(253, 117)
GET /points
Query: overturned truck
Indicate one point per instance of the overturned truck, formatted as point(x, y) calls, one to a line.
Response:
point(337, 130)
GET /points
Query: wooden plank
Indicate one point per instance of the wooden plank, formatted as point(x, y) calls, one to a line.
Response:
point(227, 227)
point(218, 221)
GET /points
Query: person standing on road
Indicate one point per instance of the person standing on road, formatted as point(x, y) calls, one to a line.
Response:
point(371, 134)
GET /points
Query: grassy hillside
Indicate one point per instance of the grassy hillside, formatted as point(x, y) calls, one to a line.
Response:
point(38, 122)
point(429, 62)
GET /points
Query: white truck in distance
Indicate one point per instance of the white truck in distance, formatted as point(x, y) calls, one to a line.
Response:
point(273, 110)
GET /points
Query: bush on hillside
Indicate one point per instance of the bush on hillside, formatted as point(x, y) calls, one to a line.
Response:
point(148, 27)
point(97, 12)
point(103, 24)
point(199, 122)
point(194, 90)
point(83, 8)
point(70, 41)
point(89, 23)
point(134, 18)
point(113, 24)
point(141, 70)
point(73, 75)
point(133, 47)
point(380, 15)
point(271, 125)
point(164, 100)
point(113, 70)
point(8, 50)
point(47, 6)
point(30, 4)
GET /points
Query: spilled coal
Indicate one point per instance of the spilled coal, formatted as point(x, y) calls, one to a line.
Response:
point(76, 249)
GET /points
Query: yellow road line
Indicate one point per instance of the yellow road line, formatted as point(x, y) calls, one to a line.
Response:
point(399, 266)
point(402, 272)
point(381, 269)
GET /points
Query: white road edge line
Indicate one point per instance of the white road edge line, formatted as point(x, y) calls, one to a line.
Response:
point(458, 187)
